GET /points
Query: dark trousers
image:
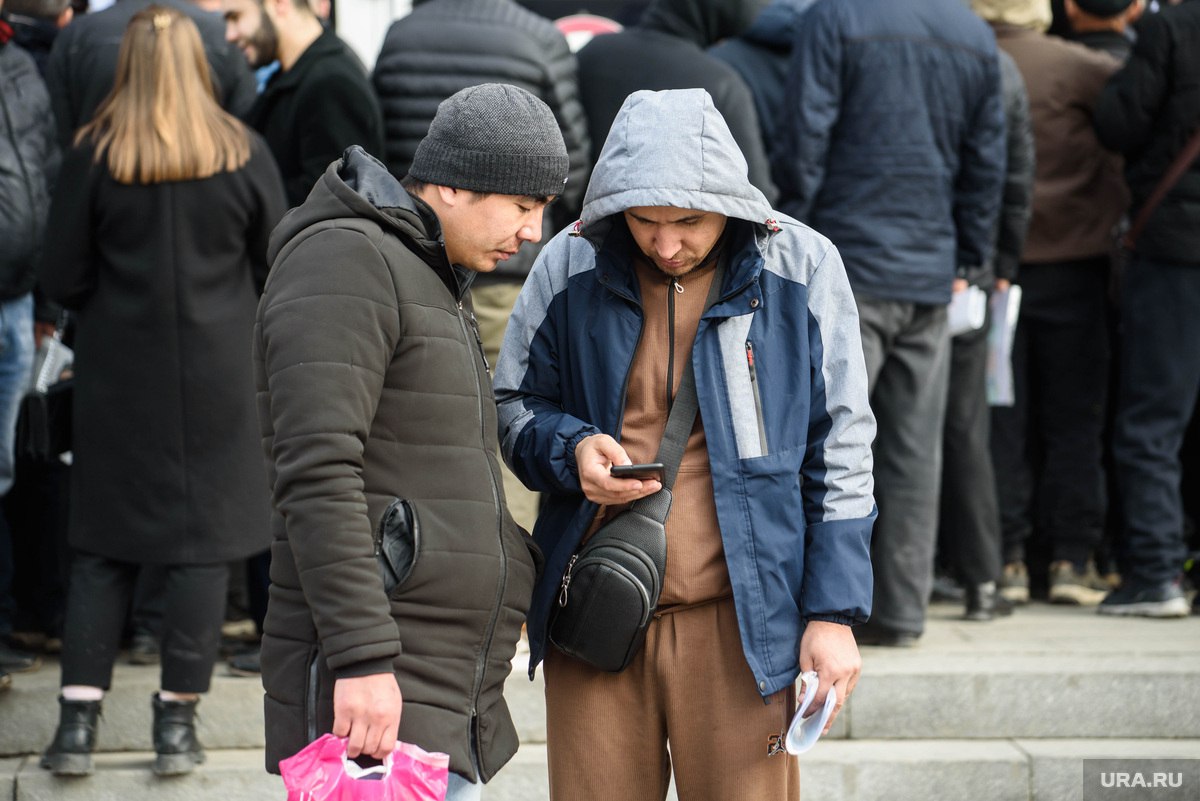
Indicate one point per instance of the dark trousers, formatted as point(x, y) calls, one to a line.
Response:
point(1160, 381)
point(36, 510)
point(969, 535)
point(907, 352)
point(98, 598)
point(1046, 448)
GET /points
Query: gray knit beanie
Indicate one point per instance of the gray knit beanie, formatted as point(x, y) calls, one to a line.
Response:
point(493, 138)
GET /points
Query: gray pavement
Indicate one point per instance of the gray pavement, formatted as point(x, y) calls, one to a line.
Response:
point(1005, 710)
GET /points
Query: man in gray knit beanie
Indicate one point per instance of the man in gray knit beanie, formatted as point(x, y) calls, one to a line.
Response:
point(493, 138)
point(375, 396)
point(493, 159)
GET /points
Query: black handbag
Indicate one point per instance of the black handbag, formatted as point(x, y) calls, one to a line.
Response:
point(611, 586)
point(44, 421)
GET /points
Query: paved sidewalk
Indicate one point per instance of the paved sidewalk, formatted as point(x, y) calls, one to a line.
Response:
point(999, 711)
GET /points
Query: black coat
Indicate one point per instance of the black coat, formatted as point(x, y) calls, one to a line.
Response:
point(83, 62)
point(314, 111)
point(666, 51)
point(1147, 112)
point(165, 278)
point(372, 385)
point(28, 155)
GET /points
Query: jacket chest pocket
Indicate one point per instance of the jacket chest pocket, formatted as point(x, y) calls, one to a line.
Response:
point(743, 379)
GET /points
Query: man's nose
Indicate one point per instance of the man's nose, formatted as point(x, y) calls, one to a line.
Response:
point(532, 230)
point(667, 246)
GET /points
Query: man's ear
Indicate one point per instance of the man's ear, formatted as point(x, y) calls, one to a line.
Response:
point(449, 195)
point(64, 18)
point(1134, 12)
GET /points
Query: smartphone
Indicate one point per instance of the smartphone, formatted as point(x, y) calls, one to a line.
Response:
point(652, 470)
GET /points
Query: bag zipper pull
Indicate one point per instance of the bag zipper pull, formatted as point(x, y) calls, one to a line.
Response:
point(566, 581)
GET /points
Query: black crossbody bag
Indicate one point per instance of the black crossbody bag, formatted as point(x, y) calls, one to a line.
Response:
point(611, 586)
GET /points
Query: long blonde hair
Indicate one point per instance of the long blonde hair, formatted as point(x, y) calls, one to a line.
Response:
point(161, 122)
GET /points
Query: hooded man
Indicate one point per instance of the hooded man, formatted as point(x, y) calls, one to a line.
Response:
point(374, 393)
point(767, 540)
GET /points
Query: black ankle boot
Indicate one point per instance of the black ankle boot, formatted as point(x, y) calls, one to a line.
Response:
point(70, 753)
point(176, 749)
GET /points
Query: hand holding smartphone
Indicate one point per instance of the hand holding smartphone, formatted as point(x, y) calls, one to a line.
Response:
point(644, 472)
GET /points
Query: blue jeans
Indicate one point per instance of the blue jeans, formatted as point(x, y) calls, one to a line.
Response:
point(460, 789)
point(16, 366)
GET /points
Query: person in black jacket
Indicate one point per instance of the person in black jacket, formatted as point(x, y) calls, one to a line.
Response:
point(158, 243)
point(83, 62)
point(26, 152)
point(666, 50)
point(374, 395)
point(36, 24)
point(1104, 24)
point(447, 45)
point(1148, 112)
point(319, 102)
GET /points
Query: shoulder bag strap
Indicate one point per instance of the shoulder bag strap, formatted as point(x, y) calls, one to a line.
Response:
point(1179, 166)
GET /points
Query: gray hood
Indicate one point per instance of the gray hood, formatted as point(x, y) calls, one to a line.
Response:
point(671, 148)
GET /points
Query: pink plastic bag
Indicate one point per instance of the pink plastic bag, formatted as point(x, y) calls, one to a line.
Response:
point(321, 772)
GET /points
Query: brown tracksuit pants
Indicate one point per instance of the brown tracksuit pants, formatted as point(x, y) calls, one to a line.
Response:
point(688, 690)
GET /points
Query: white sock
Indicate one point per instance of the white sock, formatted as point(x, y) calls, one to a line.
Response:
point(81, 692)
point(167, 695)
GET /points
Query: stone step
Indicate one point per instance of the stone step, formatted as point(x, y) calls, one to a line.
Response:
point(1045, 672)
point(866, 770)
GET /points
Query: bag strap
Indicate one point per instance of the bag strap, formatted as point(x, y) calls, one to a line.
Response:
point(1175, 172)
point(679, 423)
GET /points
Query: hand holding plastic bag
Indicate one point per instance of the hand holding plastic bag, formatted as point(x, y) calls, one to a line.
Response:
point(321, 772)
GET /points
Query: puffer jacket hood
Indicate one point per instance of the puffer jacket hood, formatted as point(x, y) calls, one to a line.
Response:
point(359, 185)
point(704, 22)
point(692, 164)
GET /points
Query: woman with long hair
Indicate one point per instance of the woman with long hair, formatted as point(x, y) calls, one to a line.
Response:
point(158, 239)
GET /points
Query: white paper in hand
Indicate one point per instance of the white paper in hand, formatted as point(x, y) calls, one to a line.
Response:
point(804, 732)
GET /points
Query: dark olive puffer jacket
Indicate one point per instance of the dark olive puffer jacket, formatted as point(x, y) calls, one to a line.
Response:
point(372, 385)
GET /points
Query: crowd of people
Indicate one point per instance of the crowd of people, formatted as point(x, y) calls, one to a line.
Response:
point(597, 240)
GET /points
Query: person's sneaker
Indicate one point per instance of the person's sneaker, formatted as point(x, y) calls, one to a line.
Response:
point(15, 660)
point(1014, 583)
point(144, 649)
point(1163, 599)
point(1070, 585)
point(247, 663)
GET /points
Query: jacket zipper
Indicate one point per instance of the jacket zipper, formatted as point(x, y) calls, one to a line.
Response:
point(758, 410)
point(481, 664)
point(310, 701)
point(674, 287)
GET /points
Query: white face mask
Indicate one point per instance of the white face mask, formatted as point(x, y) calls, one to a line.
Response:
point(804, 732)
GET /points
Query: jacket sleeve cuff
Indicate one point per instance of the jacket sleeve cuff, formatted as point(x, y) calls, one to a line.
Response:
point(844, 620)
point(572, 444)
point(369, 667)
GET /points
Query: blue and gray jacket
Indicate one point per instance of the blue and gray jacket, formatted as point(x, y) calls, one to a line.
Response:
point(793, 481)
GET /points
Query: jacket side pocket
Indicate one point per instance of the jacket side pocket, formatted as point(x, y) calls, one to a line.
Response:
point(397, 543)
